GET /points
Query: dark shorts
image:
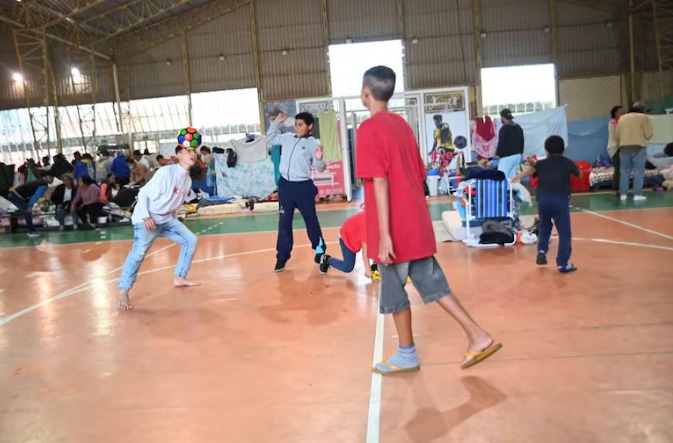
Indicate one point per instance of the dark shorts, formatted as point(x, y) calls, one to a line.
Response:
point(426, 276)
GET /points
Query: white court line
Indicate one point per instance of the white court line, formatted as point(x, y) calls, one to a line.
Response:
point(374, 415)
point(607, 217)
point(625, 243)
point(85, 286)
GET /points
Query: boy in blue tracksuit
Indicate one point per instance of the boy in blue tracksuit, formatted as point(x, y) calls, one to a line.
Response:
point(553, 201)
point(299, 152)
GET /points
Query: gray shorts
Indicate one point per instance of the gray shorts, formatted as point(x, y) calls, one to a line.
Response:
point(426, 276)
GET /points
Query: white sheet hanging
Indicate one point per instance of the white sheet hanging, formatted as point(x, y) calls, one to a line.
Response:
point(252, 152)
point(537, 126)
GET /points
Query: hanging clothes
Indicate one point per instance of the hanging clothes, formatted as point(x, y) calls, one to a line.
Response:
point(249, 152)
point(275, 158)
point(484, 137)
point(329, 136)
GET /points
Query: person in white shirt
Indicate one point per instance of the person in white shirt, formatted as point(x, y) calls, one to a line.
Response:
point(156, 213)
point(137, 156)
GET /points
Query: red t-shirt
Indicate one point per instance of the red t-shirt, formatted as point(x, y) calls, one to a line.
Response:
point(354, 231)
point(387, 148)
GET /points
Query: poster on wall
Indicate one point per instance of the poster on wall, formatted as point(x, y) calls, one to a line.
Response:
point(315, 108)
point(447, 129)
point(272, 109)
point(331, 181)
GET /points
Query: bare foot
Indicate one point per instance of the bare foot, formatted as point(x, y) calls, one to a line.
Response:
point(179, 282)
point(124, 300)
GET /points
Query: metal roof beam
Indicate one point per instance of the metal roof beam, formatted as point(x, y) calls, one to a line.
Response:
point(164, 30)
point(76, 11)
point(132, 17)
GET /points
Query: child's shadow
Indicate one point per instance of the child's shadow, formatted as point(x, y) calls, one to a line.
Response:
point(429, 424)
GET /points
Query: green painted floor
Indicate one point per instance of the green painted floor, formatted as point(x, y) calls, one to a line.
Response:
point(328, 219)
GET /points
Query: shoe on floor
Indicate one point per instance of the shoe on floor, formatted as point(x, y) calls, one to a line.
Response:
point(622, 197)
point(639, 198)
point(324, 264)
point(280, 265)
point(567, 268)
point(318, 257)
point(33, 234)
point(541, 259)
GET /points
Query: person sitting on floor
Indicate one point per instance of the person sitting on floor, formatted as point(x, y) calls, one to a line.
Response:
point(87, 202)
point(62, 197)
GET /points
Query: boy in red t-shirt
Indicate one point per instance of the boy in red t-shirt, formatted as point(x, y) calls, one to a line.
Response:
point(352, 238)
point(399, 230)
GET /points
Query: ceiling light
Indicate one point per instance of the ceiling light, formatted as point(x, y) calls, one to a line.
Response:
point(285, 52)
point(483, 35)
point(75, 71)
point(169, 62)
point(414, 41)
point(608, 24)
point(222, 57)
point(17, 77)
point(69, 20)
point(546, 29)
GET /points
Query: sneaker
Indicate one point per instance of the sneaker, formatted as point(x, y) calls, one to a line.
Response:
point(639, 198)
point(33, 234)
point(541, 259)
point(280, 265)
point(324, 264)
point(622, 197)
point(567, 268)
point(318, 258)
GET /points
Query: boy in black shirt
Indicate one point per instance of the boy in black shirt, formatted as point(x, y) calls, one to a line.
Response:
point(553, 201)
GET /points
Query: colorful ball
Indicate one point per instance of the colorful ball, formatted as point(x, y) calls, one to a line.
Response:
point(189, 138)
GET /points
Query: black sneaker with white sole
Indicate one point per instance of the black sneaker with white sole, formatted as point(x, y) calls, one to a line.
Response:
point(324, 264)
point(280, 265)
point(318, 257)
point(541, 259)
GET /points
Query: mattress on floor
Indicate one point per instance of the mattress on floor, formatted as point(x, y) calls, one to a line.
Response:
point(266, 207)
point(227, 208)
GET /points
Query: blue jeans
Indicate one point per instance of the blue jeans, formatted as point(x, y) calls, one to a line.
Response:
point(555, 207)
point(142, 241)
point(632, 157)
point(348, 262)
point(510, 165)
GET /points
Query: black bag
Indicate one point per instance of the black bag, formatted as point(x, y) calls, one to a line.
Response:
point(126, 197)
point(6, 179)
point(232, 158)
point(494, 232)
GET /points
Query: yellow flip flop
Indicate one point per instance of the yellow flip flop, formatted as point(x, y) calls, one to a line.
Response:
point(386, 368)
point(481, 355)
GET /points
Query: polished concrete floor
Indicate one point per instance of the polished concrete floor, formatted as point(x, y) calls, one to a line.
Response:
point(253, 356)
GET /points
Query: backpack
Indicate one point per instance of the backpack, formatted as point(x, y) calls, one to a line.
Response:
point(5, 179)
point(494, 232)
point(232, 158)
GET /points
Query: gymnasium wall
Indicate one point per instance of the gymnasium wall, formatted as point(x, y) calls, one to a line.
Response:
point(593, 97)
